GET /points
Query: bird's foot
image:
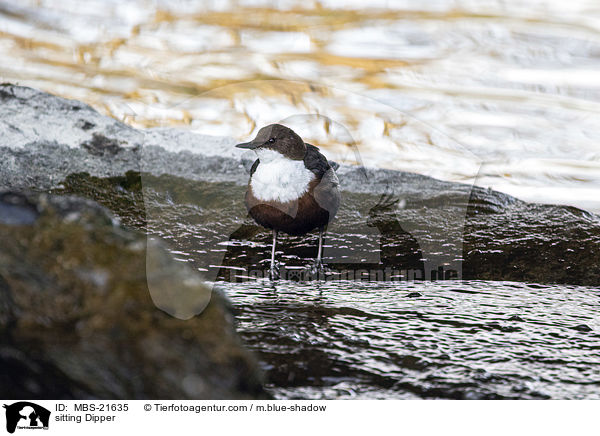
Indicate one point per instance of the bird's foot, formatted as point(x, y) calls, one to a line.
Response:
point(318, 270)
point(274, 274)
point(274, 269)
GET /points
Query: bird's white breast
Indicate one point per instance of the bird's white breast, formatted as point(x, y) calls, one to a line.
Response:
point(278, 178)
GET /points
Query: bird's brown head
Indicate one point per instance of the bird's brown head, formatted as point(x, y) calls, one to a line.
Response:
point(277, 138)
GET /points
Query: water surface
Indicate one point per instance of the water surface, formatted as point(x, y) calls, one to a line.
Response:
point(465, 340)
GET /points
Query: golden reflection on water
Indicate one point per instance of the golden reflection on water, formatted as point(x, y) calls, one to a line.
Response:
point(503, 92)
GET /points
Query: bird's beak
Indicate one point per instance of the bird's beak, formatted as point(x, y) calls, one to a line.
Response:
point(250, 145)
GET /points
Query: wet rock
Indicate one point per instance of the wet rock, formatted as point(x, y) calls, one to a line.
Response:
point(77, 319)
point(536, 245)
point(531, 243)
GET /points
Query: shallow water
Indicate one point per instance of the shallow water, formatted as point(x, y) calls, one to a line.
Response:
point(503, 93)
point(451, 339)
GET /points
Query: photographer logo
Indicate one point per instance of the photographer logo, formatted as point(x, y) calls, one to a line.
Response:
point(26, 415)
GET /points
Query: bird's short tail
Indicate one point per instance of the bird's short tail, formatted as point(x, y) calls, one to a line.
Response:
point(333, 165)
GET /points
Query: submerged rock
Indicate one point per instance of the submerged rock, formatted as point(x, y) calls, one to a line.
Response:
point(525, 242)
point(77, 320)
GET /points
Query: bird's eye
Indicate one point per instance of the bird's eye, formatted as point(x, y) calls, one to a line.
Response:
point(272, 140)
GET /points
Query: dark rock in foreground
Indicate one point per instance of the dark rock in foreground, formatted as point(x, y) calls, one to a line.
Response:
point(77, 320)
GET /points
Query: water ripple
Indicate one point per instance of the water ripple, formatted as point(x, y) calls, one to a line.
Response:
point(459, 340)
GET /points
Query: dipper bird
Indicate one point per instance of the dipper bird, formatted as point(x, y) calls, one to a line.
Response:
point(293, 188)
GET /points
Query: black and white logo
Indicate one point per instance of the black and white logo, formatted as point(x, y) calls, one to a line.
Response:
point(26, 415)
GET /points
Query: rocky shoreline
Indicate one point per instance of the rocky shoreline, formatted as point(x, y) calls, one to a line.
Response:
point(85, 327)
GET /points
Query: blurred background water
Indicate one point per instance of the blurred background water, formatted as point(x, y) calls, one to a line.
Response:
point(503, 93)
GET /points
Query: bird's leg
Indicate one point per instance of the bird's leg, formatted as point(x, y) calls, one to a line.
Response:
point(318, 262)
point(317, 267)
point(272, 271)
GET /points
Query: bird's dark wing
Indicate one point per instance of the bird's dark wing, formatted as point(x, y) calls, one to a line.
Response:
point(254, 166)
point(315, 161)
point(326, 193)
